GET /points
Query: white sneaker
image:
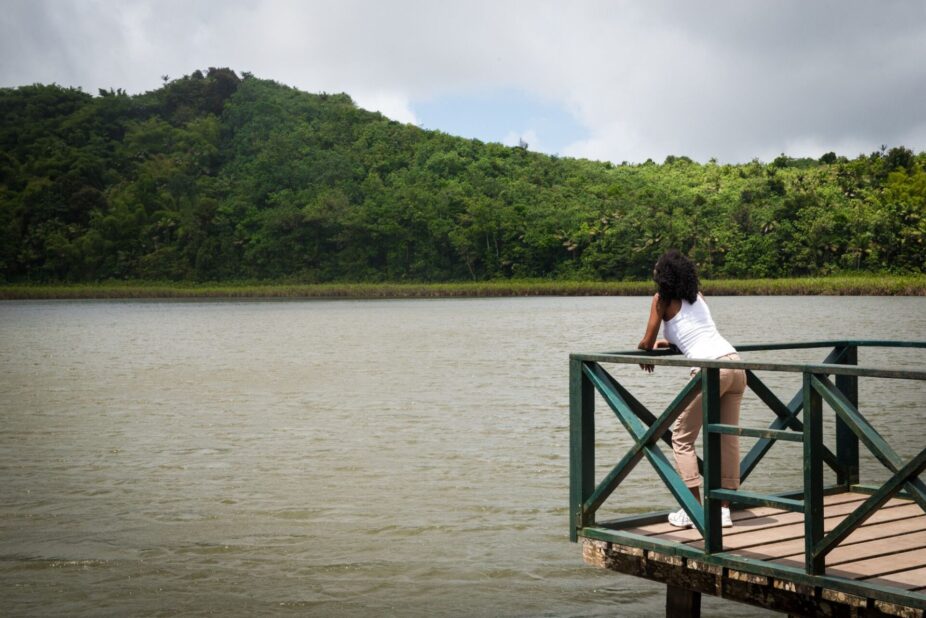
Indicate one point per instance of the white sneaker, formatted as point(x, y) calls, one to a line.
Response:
point(726, 521)
point(680, 519)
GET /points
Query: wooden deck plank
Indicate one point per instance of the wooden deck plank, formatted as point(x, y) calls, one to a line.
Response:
point(877, 547)
point(912, 579)
point(899, 527)
point(903, 569)
point(888, 549)
point(872, 558)
point(780, 593)
point(888, 569)
point(771, 536)
point(877, 531)
point(771, 524)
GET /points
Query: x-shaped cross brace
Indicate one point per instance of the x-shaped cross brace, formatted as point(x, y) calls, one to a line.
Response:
point(905, 475)
point(645, 429)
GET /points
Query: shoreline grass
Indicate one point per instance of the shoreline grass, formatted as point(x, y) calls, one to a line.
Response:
point(867, 285)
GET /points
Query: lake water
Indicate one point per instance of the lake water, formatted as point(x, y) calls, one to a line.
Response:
point(351, 458)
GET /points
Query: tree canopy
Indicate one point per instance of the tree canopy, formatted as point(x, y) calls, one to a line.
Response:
point(220, 177)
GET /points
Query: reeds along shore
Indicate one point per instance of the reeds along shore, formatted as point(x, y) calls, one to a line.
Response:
point(874, 285)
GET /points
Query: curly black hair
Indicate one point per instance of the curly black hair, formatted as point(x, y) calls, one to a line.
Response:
point(676, 277)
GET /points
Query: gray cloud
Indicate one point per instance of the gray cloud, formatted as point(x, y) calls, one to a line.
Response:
point(734, 80)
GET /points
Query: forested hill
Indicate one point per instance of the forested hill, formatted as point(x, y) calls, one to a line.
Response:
point(216, 177)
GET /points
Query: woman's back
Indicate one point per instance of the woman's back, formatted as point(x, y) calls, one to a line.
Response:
point(693, 332)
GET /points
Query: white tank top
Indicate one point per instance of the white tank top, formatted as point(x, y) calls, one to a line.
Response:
point(692, 330)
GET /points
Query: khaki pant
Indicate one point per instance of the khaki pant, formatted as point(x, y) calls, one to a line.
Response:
point(688, 425)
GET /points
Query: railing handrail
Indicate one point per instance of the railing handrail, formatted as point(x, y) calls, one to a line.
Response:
point(671, 358)
point(798, 345)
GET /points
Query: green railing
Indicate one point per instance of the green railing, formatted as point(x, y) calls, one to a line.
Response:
point(586, 376)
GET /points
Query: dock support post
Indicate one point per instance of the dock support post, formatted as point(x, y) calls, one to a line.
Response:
point(581, 446)
point(846, 440)
point(682, 602)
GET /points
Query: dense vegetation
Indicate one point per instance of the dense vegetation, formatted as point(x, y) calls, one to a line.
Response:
point(216, 178)
point(855, 285)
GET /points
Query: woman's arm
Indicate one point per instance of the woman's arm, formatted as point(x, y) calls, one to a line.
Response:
point(649, 340)
point(652, 325)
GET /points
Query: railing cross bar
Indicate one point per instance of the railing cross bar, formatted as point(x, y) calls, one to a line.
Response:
point(787, 417)
point(867, 434)
point(745, 497)
point(623, 404)
point(865, 510)
point(641, 411)
point(750, 432)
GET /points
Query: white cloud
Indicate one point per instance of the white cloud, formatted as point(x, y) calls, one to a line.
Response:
point(727, 79)
point(392, 105)
point(615, 141)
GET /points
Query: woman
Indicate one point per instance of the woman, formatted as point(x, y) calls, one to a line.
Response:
point(687, 324)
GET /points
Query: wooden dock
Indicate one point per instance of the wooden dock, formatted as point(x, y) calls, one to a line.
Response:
point(840, 550)
point(888, 551)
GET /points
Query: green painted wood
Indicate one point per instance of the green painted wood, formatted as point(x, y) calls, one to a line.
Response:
point(710, 407)
point(867, 508)
point(581, 446)
point(635, 358)
point(647, 430)
point(621, 408)
point(813, 476)
point(766, 347)
point(631, 412)
point(615, 399)
point(847, 451)
point(867, 434)
point(633, 521)
point(877, 343)
point(685, 396)
point(680, 492)
point(667, 548)
point(749, 432)
point(860, 371)
point(613, 478)
point(658, 426)
point(754, 499)
point(644, 440)
point(797, 345)
point(786, 417)
point(867, 488)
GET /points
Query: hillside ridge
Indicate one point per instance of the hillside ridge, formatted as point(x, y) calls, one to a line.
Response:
point(221, 177)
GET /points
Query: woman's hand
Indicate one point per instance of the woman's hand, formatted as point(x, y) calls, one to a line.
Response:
point(645, 367)
point(661, 344)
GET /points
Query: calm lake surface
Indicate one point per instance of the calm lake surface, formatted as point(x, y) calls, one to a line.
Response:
point(353, 458)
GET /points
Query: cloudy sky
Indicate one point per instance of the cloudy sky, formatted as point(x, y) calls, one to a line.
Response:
point(610, 80)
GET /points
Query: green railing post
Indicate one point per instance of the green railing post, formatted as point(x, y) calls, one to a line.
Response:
point(581, 447)
point(813, 476)
point(847, 450)
point(710, 408)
